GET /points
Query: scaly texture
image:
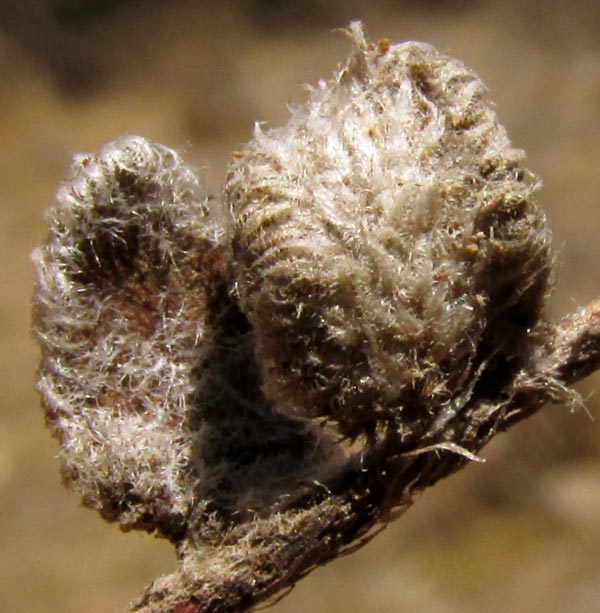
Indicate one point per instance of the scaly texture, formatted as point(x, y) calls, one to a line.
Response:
point(387, 241)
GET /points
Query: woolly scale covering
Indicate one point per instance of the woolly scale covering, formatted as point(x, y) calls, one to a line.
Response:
point(386, 242)
point(121, 313)
point(376, 263)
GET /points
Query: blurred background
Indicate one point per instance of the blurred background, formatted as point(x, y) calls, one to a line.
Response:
point(519, 533)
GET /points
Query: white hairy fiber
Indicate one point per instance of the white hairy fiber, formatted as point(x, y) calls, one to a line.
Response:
point(387, 242)
point(385, 261)
point(266, 382)
point(120, 313)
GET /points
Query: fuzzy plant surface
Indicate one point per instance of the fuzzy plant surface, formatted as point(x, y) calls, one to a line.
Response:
point(267, 378)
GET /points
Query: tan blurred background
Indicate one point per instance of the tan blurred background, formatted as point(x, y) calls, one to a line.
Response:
point(520, 533)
